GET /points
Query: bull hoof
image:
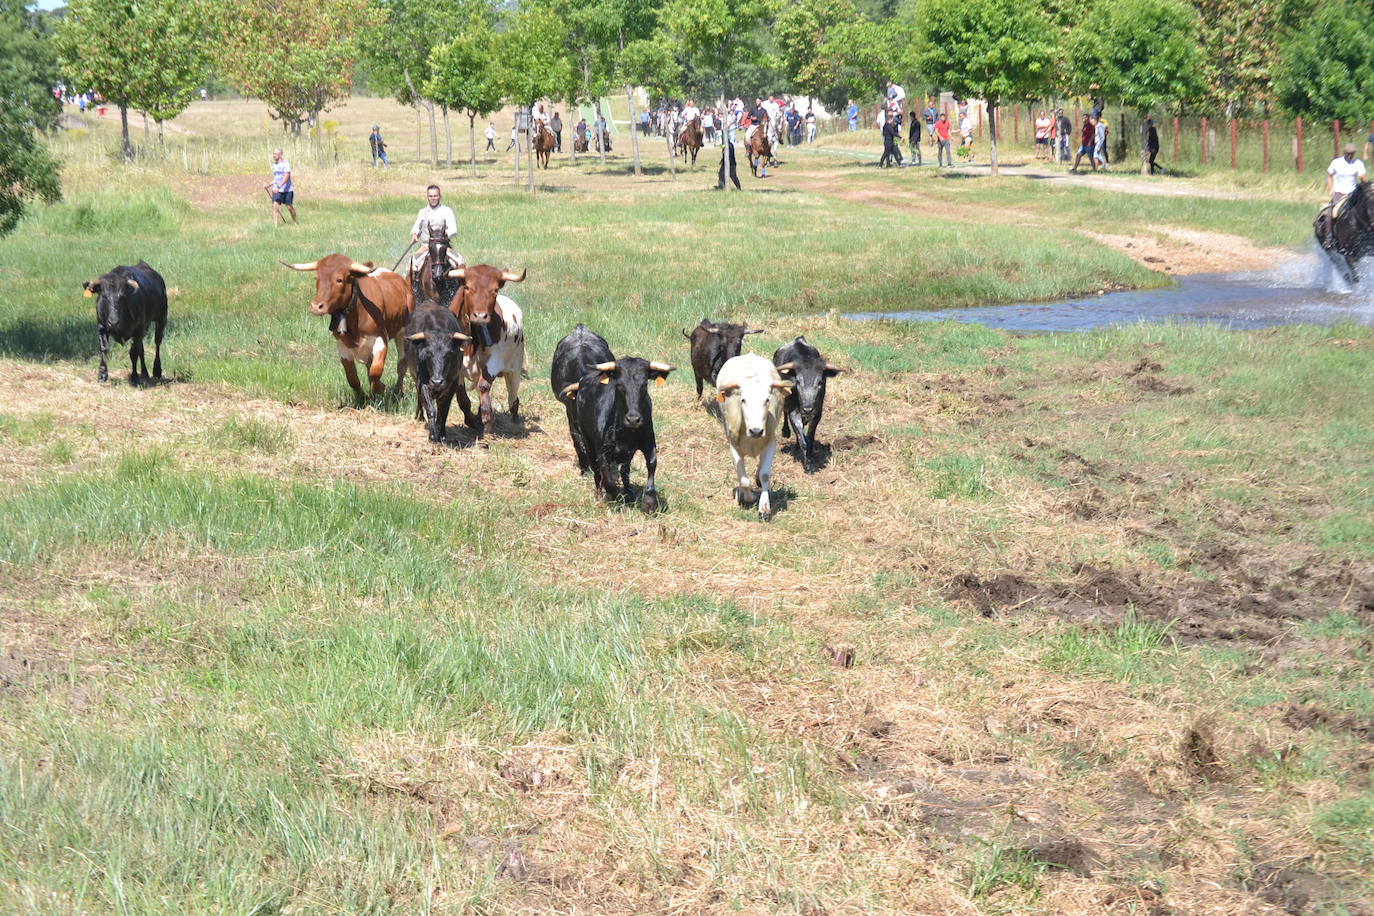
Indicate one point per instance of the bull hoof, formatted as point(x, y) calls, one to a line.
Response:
point(648, 503)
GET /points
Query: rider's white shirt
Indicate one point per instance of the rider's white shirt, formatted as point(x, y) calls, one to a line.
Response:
point(442, 213)
point(541, 116)
point(1344, 174)
point(690, 112)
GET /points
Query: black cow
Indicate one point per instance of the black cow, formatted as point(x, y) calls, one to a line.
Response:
point(803, 365)
point(615, 419)
point(712, 344)
point(573, 358)
point(128, 300)
point(435, 349)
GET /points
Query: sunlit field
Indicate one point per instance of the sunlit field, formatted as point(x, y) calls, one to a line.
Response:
point(1062, 624)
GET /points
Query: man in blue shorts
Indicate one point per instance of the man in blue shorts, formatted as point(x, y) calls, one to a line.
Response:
point(280, 188)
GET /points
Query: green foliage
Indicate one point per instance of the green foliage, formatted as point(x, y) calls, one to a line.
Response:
point(399, 52)
point(466, 74)
point(715, 34)
point(532, 51)
point(1143, 52)
point(1239, 40)
point(28, 71)
point(295, 55)
point(828, 49)
point(1326, 67)
point(649, 62)
point(988, 49)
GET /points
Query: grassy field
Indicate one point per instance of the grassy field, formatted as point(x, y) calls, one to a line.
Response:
point(1065, 624)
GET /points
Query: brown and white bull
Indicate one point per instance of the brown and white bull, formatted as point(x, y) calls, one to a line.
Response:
point(368, 310)
point(497, 328)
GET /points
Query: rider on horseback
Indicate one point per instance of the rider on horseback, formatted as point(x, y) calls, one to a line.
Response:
point(1344, 173)
point(438, 215)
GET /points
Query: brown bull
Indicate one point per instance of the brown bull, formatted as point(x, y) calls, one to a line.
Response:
point(367, 309)
point(497, 328)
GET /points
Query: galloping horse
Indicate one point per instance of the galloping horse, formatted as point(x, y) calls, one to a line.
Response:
point(1346, 231)
point(434, 265)
point(544, 143)
point(690, 140)
point(758, 149)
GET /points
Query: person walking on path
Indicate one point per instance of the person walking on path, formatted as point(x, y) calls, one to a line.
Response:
point(891, 135)
point(1152, 145)
point(514, 139)
point(852, 113)
point(556, 125)
point(280, 188)
point(1086, 139)
point(491, 137)
point(929, 116)
point(810, 124)
point(943, 156)
point(913, 137)
point(375, 141)
point(1100, 143)
point(1063, 128)
point(966, 135)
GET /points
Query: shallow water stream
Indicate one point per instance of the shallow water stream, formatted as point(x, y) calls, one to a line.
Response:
point(1302, 291)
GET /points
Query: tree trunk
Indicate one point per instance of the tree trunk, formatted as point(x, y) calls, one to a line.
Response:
point(448, 139)
point(147, 137)
point(161, 138)
point(672, 153)
point(602, 136)
point(572, 147)
point(419, 131)
point(517, 160)
point(1144, 140)
point(128, 150)
point(433, 135)
point(992, 135)
point(634, 136)
point(472, 141)
point(529, 143)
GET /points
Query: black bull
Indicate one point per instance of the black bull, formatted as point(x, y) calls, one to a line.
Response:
point(1350, 235)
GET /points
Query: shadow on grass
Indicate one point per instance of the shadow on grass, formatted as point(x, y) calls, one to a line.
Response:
point(820, 452)
point(50, 338)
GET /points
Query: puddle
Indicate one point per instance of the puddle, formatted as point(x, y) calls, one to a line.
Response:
point(1301, 291)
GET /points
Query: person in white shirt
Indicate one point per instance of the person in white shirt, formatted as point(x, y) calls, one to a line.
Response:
point(491, 137)
point(434, 213)
point(1344, 172)
point(690, 111)
point(540, 114)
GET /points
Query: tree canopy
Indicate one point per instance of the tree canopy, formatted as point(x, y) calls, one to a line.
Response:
point(28, 72)
point(1326, 67)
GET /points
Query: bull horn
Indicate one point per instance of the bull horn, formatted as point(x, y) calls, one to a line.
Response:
point(570, 389)
point(419, 336)
point(830, 368)
point(512, 277)
point(786, 367)
point(605, 367)
point(361, 268)
point(313, 265)
point(685, 334)
point(458, 273)
point(660, 367)
point(459, 335)
point(728, 389)
point(786, 386)
point(712, 329)
point(754, 331)
point(133, 284)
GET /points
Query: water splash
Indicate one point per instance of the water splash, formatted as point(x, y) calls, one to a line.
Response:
point(1302, 290)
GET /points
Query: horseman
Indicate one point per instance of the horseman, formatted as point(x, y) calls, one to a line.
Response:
point(1342, 175)
point(690, 112)
point(440, 216)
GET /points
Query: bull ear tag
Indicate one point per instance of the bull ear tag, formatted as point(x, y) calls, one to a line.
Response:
point(720, 397)
point(87, 293)
point(659, 381)
point(605, 379)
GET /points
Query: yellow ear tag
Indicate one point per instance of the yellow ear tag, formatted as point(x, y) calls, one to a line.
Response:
point(659, 380)
point(605, 379)
point(87, 293)
point(720, 397)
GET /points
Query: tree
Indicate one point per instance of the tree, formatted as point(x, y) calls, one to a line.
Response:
point(535, 66)
point(466, 76)
point(295, 55)
point(1239, 40)
point(715, 34)
point(988, 49)
point(172, 75)
point(1326, 67)
point(1143, 52)
point(104, 48)
point(649, 62)
point(28, 72)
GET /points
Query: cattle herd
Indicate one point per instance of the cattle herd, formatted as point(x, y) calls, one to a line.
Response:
point(479, 337)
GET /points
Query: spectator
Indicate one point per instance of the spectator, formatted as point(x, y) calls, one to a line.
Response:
point(1106, 130)
point(514, 143)
point(943, 156)
point(793, 126)
point(966, 134)
point(914, 138)
point(1063, 129)
point(810, 124)
point(1044, 127)
point(891, 134)
point(374, 140)
point(556, 125)
point(852, 113)
point(930, 114)
point(1086, 139)
point(1100, 143)
point(280, 188)
point(1152, 145)
point(491, 137)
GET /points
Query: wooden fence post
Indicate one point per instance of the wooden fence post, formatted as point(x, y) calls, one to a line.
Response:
point(1299, 146)
point(1204, 141)
point(1175, 156)
point(1233, 143)
point(1266, 144)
